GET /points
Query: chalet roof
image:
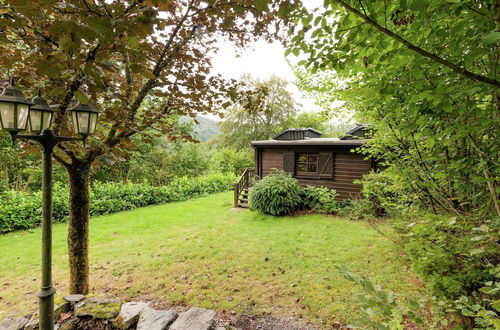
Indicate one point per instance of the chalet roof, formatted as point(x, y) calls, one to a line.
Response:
point(299, 129)
point(350, 134)
point(310, 142)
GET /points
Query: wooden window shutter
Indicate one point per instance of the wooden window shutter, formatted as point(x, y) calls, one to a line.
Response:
point(326, 161)
point(289, 162)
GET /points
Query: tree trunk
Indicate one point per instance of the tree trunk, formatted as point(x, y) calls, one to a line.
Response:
point(78, 229)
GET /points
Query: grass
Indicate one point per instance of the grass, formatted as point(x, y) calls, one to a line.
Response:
point(201, 253)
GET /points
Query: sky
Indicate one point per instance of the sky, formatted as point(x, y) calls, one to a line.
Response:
point(262, 60)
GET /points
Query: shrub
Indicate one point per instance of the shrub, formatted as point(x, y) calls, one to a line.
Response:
point(383, 309)
point(357, 209)
point(277, 194)
point(388, 194)
point(458, 258)
point(23, 211)
point(232, 160)
point(454, 254)
point(320, 199)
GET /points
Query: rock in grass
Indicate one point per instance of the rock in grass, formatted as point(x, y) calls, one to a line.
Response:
point(194, 319)
point(14, 322)
point(98, 308)
point(152, 319)
point(129, 314)
point(74, 298)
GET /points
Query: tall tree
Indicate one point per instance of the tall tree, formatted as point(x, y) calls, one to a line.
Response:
point(425, 73)
point(119, 54)
point(259, 110)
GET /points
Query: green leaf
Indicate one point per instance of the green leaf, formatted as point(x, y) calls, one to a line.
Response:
point(388, 89)
point(491, 37)
point(496, 305)
point(284, 10)
point(133, 42)
point(417, 5)
point(466, 312)
point(58, 91)
point(81, 97)
point(476, 251)
point(261, 5)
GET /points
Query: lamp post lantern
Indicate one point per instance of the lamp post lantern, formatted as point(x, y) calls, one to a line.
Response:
point(16, 114)
point(84, 117)
point(40, 115)
point(14, 109)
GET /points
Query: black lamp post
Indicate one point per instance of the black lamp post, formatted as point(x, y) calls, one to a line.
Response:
point(16, 113)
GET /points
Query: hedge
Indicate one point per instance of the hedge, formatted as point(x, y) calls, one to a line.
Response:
point(23, 211)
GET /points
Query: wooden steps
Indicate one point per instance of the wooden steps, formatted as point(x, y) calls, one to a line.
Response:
point(242, 188)
point(243, 199)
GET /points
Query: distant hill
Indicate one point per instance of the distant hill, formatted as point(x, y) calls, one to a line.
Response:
point(206, 129)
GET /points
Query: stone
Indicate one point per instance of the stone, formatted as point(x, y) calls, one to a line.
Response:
point(152, 319)
point(74, 298)
point(129, 314)
point(69, 323)
point(14, 322)
point(33, 323)
point(61, 308)
point(194, 319)
point(98, 308)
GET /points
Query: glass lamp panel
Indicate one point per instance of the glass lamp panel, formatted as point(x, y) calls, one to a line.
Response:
point(22, 116)
point(36, 120)
point(83, 122)
point(93, 122)
point(7, 113)
point(46, 120)
point(74, 118)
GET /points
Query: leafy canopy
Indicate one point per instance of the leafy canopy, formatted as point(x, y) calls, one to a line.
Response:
point(120, 54)
point(424, 73)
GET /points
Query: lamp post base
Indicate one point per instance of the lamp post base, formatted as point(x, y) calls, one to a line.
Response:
point(46, 312)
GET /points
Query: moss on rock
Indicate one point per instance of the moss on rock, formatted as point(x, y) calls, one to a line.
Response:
point(98, 308)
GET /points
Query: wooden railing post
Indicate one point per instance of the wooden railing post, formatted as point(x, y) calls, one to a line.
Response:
point(236, 194)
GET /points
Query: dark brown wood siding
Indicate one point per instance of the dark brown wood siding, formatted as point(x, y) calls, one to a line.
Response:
point(346, 167)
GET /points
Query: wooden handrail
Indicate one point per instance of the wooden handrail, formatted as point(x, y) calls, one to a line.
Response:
point(244, 182)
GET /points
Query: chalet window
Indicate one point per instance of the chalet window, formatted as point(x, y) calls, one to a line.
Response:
point(307, 163)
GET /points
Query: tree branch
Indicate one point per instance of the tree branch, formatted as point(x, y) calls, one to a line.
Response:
point(160, 64)
point(455, 68)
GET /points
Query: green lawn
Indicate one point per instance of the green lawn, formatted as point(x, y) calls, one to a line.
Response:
point(201, 253)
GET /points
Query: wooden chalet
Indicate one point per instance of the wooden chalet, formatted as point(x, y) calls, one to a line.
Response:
point(312, 160)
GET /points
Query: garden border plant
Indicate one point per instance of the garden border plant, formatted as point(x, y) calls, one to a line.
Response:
point(23, 211)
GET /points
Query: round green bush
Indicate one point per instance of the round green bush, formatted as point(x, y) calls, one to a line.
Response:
point(277, 194)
